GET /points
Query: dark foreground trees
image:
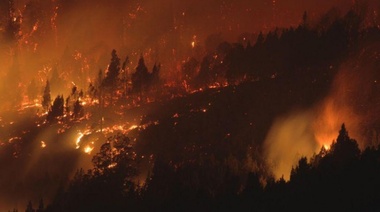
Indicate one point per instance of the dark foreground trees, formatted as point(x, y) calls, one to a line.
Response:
point(342, 178)
point(106, 187)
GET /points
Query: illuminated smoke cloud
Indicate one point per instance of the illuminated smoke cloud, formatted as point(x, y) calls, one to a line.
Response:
point(353, 100)
point(289, 139)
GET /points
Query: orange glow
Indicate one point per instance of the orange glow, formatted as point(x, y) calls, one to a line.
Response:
point(43, 144)
point(133, 127)
point(327, 147)
point(78, 140)
point(327, 124)
point(88, 149)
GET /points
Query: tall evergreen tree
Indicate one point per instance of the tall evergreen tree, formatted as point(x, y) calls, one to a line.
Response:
point(112, 74)
point(57, 109)
point(46, 98)
point(155, 76)
point(78, 109)
point(140, 77)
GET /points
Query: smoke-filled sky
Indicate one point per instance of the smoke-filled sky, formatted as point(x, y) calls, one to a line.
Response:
point(80, 34)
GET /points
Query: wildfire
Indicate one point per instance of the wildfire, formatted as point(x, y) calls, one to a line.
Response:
point(327, 125)
point(133, 127)
point(78, 140)
point(193, 42)
point(88, 149)
point(327, 146)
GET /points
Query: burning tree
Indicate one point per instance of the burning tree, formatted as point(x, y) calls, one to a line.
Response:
point(116, 156)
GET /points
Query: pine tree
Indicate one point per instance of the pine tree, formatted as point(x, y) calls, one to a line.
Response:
point(57, 109)
point(46, 98)
point(78, 109)
point(113, 71)
point(140, 77)
point(29, 207)
point(345, 149)
point(155, 76)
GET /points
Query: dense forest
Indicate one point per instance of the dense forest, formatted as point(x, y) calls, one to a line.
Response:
point(341, 178)
point(201, 144)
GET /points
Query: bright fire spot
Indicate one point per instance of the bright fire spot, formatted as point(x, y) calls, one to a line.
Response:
point(330, 118)
point(133, 127)
point(112, 165)
point(193, 44)
point(43, 144)
point(78, 140)
point(88, 149)
point(327, 146)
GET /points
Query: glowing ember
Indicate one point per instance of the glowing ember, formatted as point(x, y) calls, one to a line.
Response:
point(133, 127)
point(327, 146)
point(88, 149)
point(112, 165)
point(78, 140)
point(43, 144)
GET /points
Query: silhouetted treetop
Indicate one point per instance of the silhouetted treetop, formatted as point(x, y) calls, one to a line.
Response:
point(113, 71)
point(345, 148)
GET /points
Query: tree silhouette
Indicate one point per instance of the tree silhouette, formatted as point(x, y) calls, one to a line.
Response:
point(113, 71)
point(111, 81)
point(46, 99)
point(141, 77)
point(78, 109)
point(56, 110)
point(155, 75)
point(345, 150)
point(301, 171)
point(116, 156)
point(29, 207)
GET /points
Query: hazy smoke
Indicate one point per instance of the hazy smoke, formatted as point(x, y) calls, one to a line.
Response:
point(353, 100)
point(290, 138)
